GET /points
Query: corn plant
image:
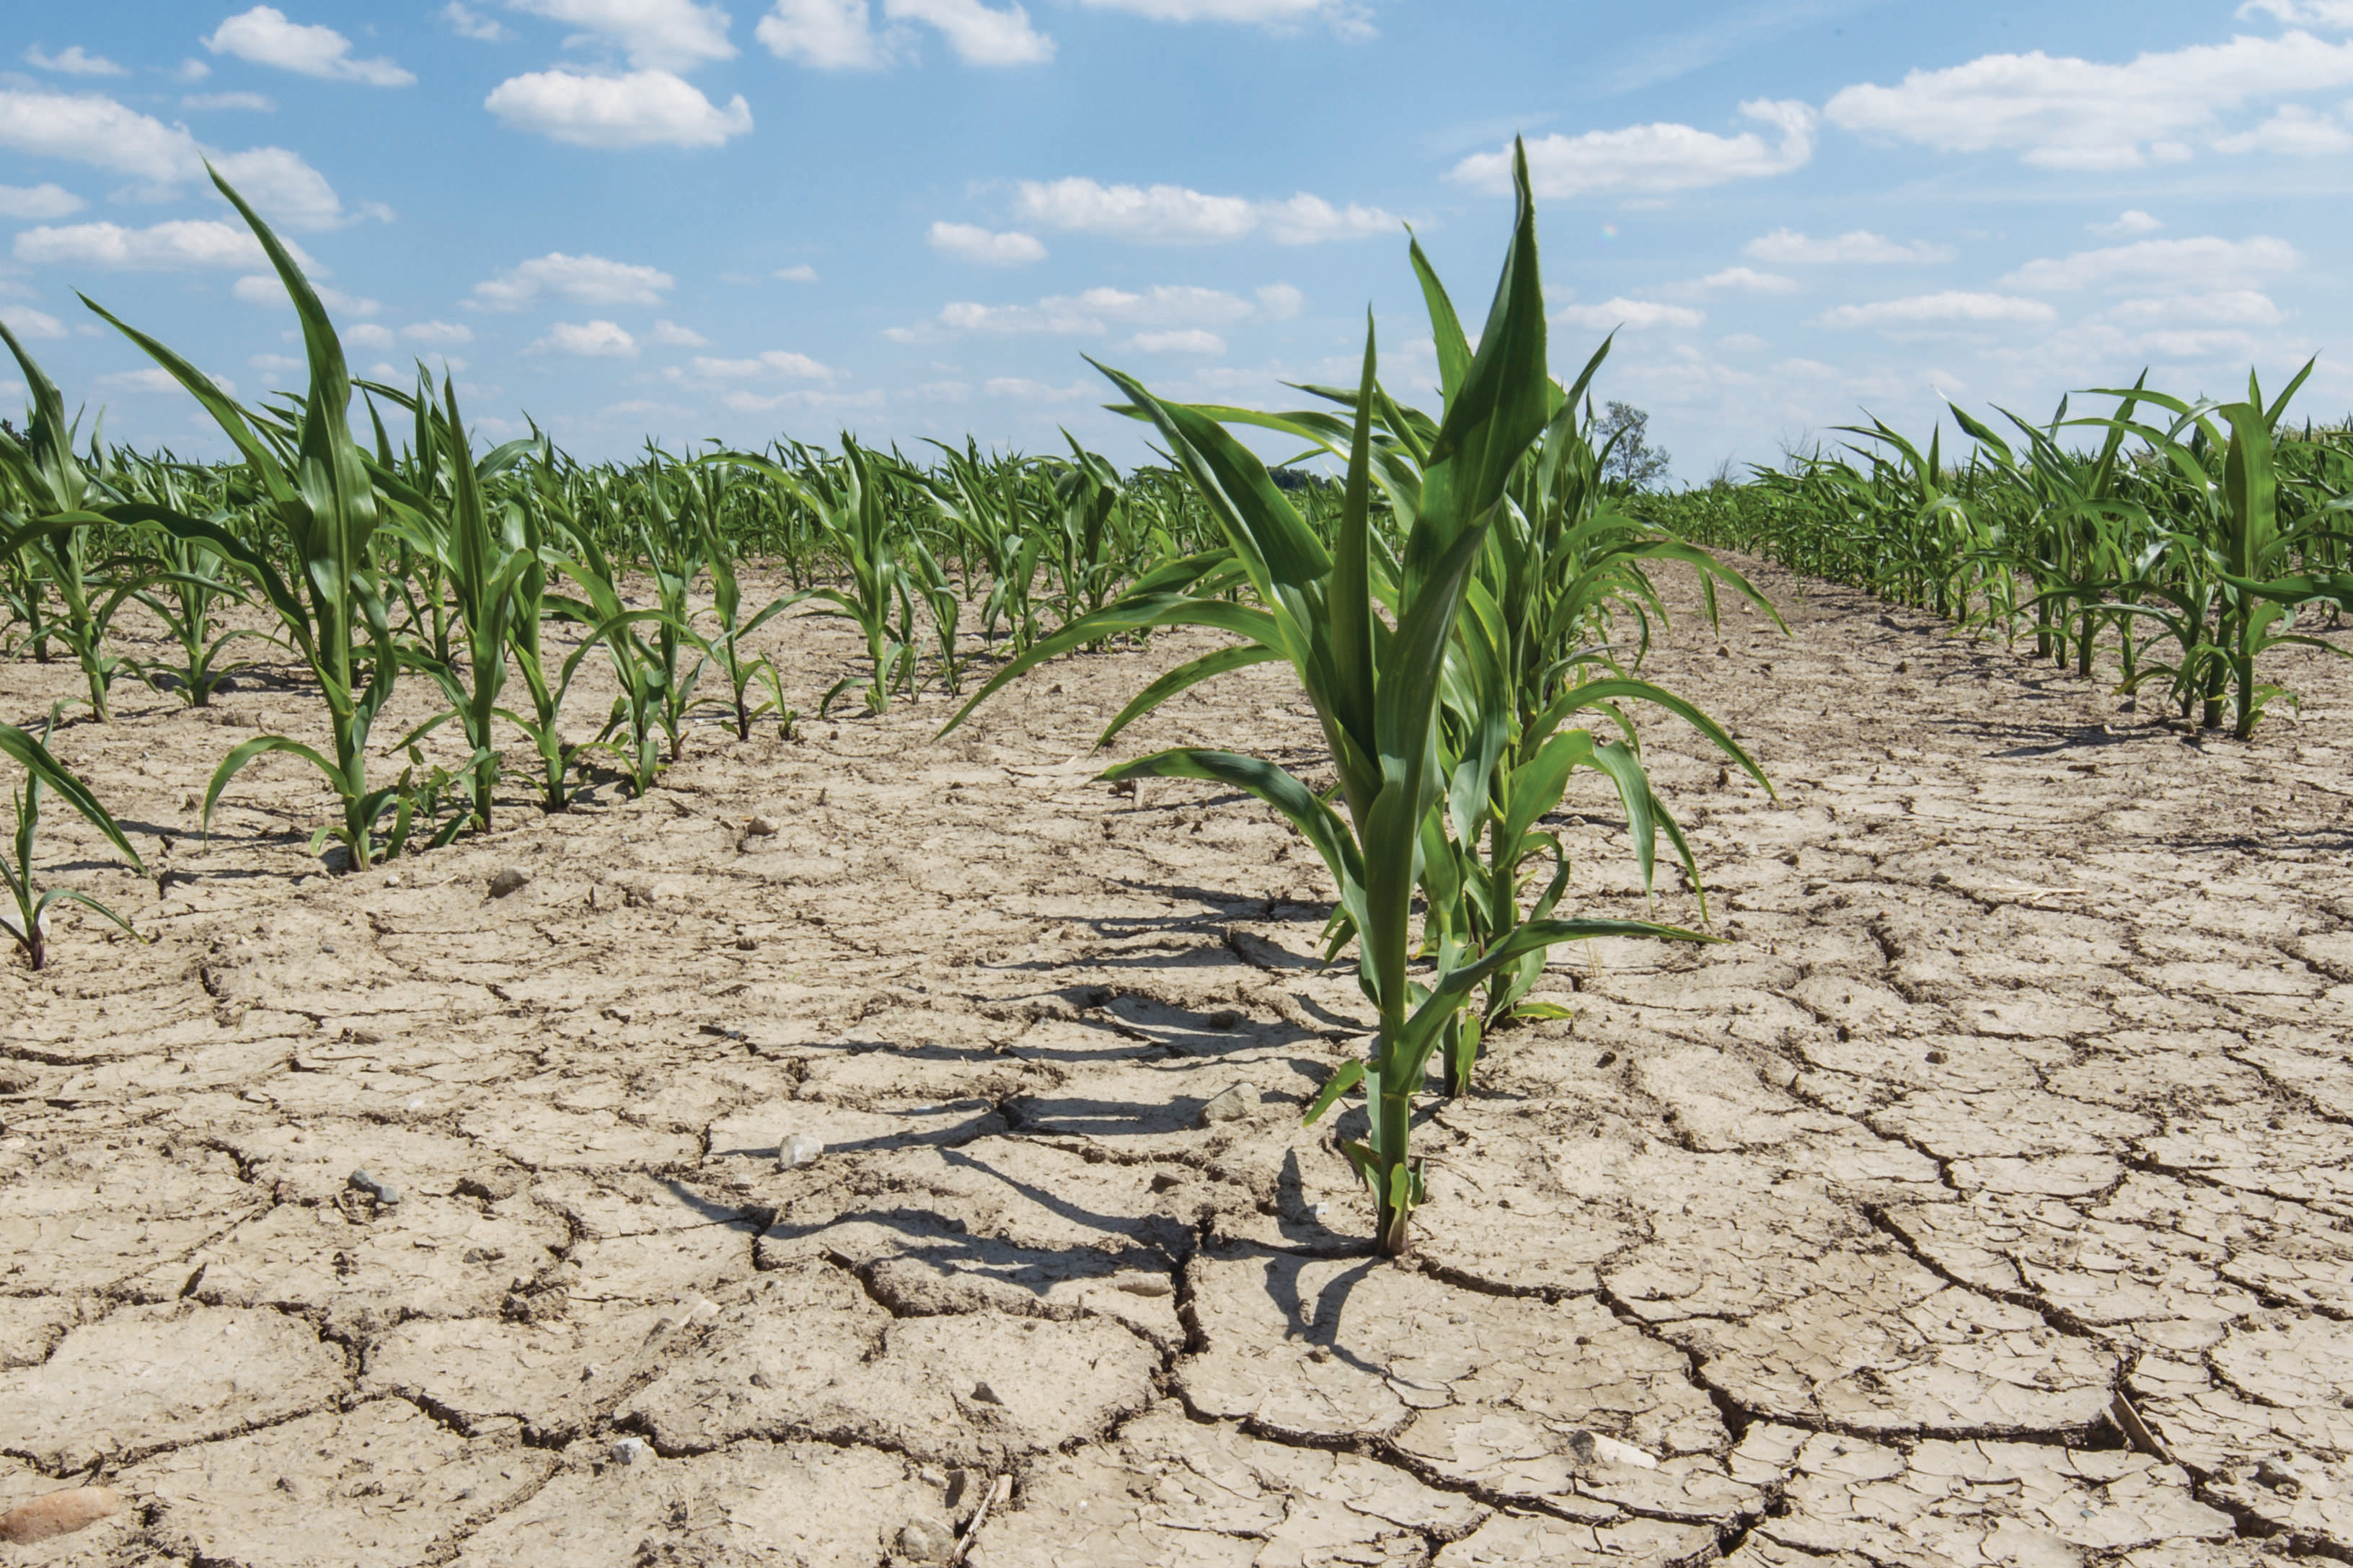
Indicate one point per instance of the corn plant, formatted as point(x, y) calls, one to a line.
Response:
point(29, 922)
point(723, 646)
point(1370, 646)
point(850, 504)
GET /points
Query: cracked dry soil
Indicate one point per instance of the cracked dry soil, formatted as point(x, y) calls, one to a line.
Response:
point(2019, 1088)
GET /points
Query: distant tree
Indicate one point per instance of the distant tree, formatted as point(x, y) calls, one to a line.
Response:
point(1633, 461)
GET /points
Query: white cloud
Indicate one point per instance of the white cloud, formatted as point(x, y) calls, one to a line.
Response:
point(90, 128)
point(800, 273)
point(264, 288)
point(1022, 389)
point(1179, 341)
point(1748, 280)
point(1172, 215)
point(753, 403)
point(283, 187)
point(589, 279)
point(1274, 14)
point(639, 108)
point(1279, 301)
point(265, 36)
point(2229, 307)
point(656, 35)
point(191, 71)
point(2301, 12)
point(945, 392)
point(440, 332)
point(832, 35)
point(592, 340)
point(469, 22)
point(201, 101)
point(28, 323)
point(182, 242)
point(366, 335)
point(2132, 220)
point(1952, 306)
point(2293, 131)
point(671, 334)
point(1636, 314)
point(1786, 246)
point(979, 36)
point(75, 62)
point(1743, 342)
point(970, 242)
point(2070, 113)
point(38, 201)
point(2205, 263)
point(1650, 160)
point(775, 361)
point(155, 378)
point(1096, 310)
point(278, 365)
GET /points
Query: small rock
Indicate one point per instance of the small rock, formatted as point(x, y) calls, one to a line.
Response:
point(1239, 1103)
point(1902, 666)
point(392, 878)
point(985, 1395)
point(1152, 1285)
point(760, 827)
point(631, 1451)
point(59, 1514)
point(1593, 1448)
point(491, 1186)
point(747, 943)
point(800, 1149)
point(382, 1192)
point(925, 1540)
point(514, 878)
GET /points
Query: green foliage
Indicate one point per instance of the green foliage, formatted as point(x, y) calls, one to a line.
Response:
point(28, 919)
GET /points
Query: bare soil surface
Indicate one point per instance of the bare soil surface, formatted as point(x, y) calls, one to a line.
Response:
point(1987, 1198)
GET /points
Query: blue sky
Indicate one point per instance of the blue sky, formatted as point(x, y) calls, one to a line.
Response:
point(913, 217)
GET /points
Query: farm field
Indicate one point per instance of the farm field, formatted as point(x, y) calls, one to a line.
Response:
point(1985, 1198)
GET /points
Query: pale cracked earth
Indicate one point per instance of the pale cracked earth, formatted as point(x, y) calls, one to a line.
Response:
point(1985, 1199)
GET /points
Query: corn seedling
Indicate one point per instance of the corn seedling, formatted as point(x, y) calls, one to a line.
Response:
point(28, 921)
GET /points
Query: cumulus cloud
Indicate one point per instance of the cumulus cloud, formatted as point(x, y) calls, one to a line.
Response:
point(28, 323)
point(1022, 389)
point(286, 190)
point(589, 340)
point(200, 102)
point(656, 35)
point(1097, 311)
point(154, 378)
point(1655, 159)
point(266, 288)
point(1636, 314)
point(74, 61)
point(636, 108)
point(1786, 246)
point(265, 38)
point(2301, 12)
point(775, 363)
point(366, 335)
point(840, 35)
point(2293, 131)
point(672, 335)
point(1271, 14)
point(1749, 280)
point(1179, 341)
point(182, 242)
point(2132, 220)
point(799, 272)
point(2232, 306)
point(439, 333)
point(1953, 307)
point(469, 22)
point(42, 201)
point(2205, 263)
point(1173, 215)
point(86, 127)
point(2067, 113)
point(970, 242)
point(587, 279)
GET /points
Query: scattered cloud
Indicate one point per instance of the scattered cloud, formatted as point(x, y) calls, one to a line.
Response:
point(1653, 160)
point(163, 246)
point(2205, 263)
point(1275, 15)
point(1749, 280)
point(28, 323)
point(366, 335)
point(2293, 131)
point(2132, 220)
point(469, 22)
point(42, 201)
point(264, 288)
point(439, 333)
point(1786, 246)
point(775, 363)
point(2068, 113)
point(191, 69)
point(74, 61)
point(638, 109)
point(155, 378)
point(201, 101)
point(744, 401)
point(286, 190)
point(1172, 215)
point(589, 340)
point(656, 35)
point(1635, 314)
point(587, 279)
point(671, 335)
point(265, 38)
point(945, 392)
point(970, 242)
point(1179, 341)
point(86, 127)
point(1097, 311)
point(2229, 307)
point(2301, 12)
point(800, 273)
point(1950, 308)
point(1022, 389)
point(840, 35)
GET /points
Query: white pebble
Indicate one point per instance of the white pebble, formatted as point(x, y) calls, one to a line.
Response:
point(800, 1149)
point(631, 1450)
